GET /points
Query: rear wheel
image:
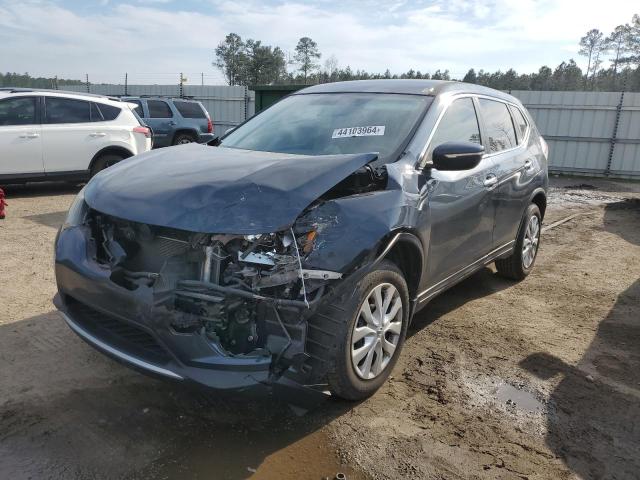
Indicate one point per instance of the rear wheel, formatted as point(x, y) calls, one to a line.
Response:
point(183, 139)
point(374, 328)
point(520, 263)
point(105, 161)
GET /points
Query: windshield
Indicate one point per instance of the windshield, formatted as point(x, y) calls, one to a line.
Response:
point(336, 123)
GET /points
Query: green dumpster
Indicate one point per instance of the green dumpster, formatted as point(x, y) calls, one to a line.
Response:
point(267, 95)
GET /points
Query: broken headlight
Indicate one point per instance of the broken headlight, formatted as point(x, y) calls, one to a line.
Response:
point(77, 212)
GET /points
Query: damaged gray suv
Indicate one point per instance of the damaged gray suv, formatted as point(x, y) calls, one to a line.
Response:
point(297, 251)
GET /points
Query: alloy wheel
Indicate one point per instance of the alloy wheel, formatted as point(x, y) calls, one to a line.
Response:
point(531, 241)
point(376, 332)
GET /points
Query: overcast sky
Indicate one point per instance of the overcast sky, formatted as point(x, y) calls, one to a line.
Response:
point(153, 40)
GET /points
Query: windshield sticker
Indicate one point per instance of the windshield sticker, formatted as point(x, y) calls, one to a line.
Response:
point(358, 131)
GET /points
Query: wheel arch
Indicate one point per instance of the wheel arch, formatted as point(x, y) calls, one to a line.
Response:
point(539, 197)
point(190, 131)
point(114, 149)
point(406, 251)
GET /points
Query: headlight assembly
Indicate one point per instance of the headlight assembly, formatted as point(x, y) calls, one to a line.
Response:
point(77, 212)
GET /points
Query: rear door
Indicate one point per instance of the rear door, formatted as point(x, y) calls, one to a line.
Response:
point(160, 119)
point(460, 204)
point(70, 138)
point(20, 136)
point(513, 167)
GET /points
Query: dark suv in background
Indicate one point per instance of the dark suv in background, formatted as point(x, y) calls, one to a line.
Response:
point(174, 121)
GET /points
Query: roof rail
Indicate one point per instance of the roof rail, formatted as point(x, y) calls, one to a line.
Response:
point(172, 97)
point(66, 92)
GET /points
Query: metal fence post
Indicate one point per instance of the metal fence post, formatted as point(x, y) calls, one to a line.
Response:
point(246, 102)
point(614, 135)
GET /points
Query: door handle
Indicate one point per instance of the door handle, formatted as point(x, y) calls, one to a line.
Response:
point(528, 165)
point(98, 134)
point(490, 181)
point(172, 123)
point(30, 135)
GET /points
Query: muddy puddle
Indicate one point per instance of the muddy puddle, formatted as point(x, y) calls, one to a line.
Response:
point(518, 398)
point(230, 455)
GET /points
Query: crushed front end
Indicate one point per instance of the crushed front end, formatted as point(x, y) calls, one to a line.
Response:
point(226, 311)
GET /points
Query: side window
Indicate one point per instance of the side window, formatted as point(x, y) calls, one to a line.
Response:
point(159, 109)
point(66, 110)
point(138, 108)
point(96, 116)
point(109, 112)
point(458, 124)
point(190, 109)
point(521, 123)
point(498, 124)
point(18, 111)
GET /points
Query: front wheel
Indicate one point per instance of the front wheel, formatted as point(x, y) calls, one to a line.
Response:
point(520, 263)
point(377, 316)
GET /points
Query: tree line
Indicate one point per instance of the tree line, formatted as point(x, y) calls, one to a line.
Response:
point(613, 63)
point(25, 80)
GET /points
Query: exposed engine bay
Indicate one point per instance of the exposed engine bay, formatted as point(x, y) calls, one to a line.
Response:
point(248, 294)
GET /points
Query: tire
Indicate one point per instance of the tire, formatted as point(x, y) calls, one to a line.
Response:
point(105, 161)
point(517, 266)
point(332, 329)
point(183, 139)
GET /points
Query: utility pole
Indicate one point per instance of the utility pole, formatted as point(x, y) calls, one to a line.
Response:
point(202, 79)
point(126, 84)
point(86, 77)
point(182, 80)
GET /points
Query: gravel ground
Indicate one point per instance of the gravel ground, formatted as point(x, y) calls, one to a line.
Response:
point(539, 379)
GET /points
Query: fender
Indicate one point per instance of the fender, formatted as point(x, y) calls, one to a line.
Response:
point(401, 236)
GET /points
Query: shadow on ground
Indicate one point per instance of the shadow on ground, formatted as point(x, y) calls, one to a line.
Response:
point(481, 284)
point(42, 189)
point(51, 219)
point(593, 425)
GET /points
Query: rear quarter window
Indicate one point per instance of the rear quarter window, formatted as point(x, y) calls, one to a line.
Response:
point(521, 123)
point(109, 112)
point(190, 109)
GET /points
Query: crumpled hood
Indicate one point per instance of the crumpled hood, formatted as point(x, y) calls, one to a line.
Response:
point(217, 190)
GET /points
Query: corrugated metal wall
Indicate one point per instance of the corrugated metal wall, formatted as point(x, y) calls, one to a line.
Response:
point(594, 133)
point(228, 106)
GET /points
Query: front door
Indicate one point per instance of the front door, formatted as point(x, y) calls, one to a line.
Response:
point(460, 203)
point(20, 136)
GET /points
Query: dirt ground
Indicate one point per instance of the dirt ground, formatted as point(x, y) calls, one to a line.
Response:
point(538, 379)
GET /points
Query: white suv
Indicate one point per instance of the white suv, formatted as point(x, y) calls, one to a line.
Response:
point(56, 135)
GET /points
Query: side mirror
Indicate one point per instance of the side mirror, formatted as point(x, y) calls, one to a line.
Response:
point(457, 156)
